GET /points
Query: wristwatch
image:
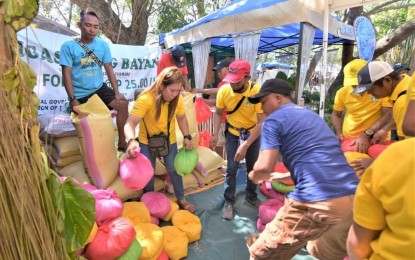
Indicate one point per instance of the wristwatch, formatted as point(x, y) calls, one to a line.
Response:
point(188, 137)
point(369, 133)
point(71, 98)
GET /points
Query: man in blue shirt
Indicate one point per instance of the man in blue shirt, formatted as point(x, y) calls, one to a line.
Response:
point(318, 213)
point(82, 75)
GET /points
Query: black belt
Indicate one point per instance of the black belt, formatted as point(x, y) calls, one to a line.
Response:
point(241, 130)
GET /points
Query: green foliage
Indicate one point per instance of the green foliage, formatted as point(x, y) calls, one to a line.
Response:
point(311, 96)
point(75, 211)
point(172, 15)
point(19, 13)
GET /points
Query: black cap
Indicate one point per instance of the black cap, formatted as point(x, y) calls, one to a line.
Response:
point(272, 86)
point(399, 67)
point(221, 64)
point(179, 56)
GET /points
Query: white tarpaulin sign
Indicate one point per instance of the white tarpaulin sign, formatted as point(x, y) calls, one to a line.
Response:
point(135, 67)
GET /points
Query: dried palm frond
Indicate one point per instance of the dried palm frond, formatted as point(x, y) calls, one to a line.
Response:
point(27, 216)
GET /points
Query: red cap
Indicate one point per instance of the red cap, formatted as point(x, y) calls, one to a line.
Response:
point(238, 69)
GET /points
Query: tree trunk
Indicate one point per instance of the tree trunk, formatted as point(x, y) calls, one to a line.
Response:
point(313, 64)
point(111, 24)
point(347, 54)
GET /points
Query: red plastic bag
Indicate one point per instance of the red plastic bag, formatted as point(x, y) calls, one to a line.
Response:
point(347, 144)
point(280, 167)
point(112, 240)
point(202, 111)
point(204, 138)
point(376, 149)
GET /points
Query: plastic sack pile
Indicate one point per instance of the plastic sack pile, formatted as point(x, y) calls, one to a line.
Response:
point(349, 149)
point(130, 230)
point(275, 192)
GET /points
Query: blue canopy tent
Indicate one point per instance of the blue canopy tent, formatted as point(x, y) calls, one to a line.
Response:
point(241, 16)
point(272, 38)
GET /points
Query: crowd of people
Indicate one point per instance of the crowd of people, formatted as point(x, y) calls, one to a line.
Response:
point(330, 211)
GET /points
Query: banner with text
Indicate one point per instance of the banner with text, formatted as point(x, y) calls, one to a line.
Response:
point(135, 67)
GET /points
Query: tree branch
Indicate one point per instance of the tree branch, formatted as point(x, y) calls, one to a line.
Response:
point(394, 38)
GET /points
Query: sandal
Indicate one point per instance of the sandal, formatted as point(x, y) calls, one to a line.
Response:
point(122, 149)
point(184, 204)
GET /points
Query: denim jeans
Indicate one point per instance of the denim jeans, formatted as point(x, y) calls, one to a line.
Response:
point(232, 144)
point(176, 179)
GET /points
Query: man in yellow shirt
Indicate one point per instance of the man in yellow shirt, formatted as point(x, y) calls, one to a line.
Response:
point(408, 125)
point(384, 207)
point(243, 126)
point(380, 80)
point(365, 117)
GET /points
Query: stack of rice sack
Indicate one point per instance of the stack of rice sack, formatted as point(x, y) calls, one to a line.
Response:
point(94, 127)
point(170, 242)
point(62, 145)
point(348, 148)
point(209, 162)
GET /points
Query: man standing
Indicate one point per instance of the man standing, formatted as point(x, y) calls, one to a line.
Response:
point(384, 207)
point(176, 56)
point(379, 79)
point(318, 213)
point(81, 61)
point(222, 68)
point(243, 125)
point(366, 118)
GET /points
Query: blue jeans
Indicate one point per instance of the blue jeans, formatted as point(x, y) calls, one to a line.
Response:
point(176, 179)
point(232, 144)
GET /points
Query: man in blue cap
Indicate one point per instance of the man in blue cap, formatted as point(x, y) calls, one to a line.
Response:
point(176, 56)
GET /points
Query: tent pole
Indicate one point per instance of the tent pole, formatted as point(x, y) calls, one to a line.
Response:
point(324, 67)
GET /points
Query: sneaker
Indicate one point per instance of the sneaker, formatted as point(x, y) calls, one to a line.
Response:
point(253, 202)
point(228, 211)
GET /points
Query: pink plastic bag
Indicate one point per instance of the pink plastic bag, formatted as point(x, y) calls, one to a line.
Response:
point(157, 203)
point(202, 110)
point(136, 172)
point(107, 205)
point(268, 210)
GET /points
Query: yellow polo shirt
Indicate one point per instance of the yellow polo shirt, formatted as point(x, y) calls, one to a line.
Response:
point(246, 115)
point(385, 200)
point(362, 112)
point(145, 108)
point(400, 104)
point(410, 95)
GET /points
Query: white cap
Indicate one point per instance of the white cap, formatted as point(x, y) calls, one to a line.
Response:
point(370, 73)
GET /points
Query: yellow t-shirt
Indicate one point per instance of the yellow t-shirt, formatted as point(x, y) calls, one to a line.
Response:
point(362, 112)
point(145, 108)
point(385, 200)
point(410, 95)
point(400, 104)
point(246, 115)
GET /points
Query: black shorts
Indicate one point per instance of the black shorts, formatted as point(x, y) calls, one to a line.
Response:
point(105, 93)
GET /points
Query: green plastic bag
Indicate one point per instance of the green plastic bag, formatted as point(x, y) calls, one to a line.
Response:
point(280, 187)
point(185, 161)
point(133, 252)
